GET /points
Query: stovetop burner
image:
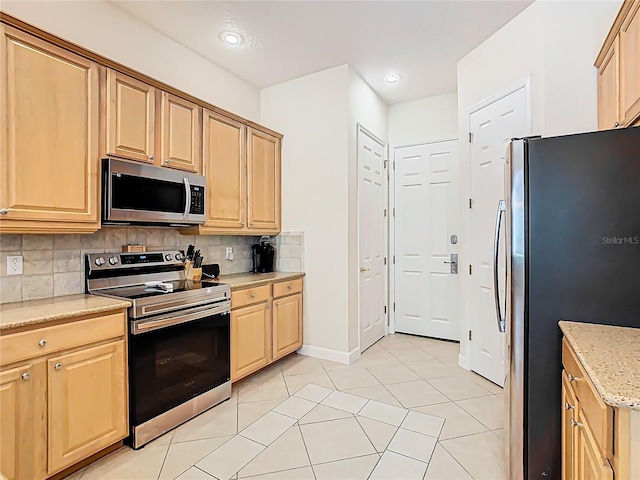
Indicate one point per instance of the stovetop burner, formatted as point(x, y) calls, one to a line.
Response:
point(143, 291)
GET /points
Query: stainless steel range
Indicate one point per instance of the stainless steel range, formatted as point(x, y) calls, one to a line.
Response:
point(179, 337)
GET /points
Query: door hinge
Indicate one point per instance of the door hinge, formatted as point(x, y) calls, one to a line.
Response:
point(469, 334)
point(470, 203)
point(394, 164)
point(470, 137)
point(385, 309)
point(394, 306)
point(470, 270)
point(385, 260)
point(385, 212)
point(386, 163)
point(394, 211)
point(394, 259)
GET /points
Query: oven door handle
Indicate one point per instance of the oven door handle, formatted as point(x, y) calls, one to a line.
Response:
point(187, 204)
point(143, 326)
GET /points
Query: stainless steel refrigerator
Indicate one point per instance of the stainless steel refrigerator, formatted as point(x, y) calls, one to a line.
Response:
point(572, 212)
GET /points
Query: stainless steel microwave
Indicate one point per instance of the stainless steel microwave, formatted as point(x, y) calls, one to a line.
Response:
point(134, 193)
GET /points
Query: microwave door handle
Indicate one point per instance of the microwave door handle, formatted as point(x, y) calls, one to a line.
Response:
point(187, 191)
point(502, 207)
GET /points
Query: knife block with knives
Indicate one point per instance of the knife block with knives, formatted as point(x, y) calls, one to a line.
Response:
point(192, 264)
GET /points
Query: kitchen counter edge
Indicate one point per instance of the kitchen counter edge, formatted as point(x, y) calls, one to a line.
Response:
point(610, 356)
point(239, 281)
point(37, 313)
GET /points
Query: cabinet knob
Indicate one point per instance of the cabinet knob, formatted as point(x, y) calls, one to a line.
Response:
point(26, 375)
point(568, 407)
point(242, 224)
point(57, 366)
point(3, 211)
point(572, 378)
point(166, 160)
point(42, 342)
point(573, 423)
point(289, 287)
point(616, 125)
point(151, 157)
point(253, 295)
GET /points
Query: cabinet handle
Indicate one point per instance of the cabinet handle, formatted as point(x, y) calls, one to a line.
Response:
point(42, 342)
point(242, 224)
point(289, 287)
point(269, 306)
point(616, 125)
point(572, 378)
point(151, 157)
point(57, 366)
point(253, 295)
point(573, 423)
point(568, 407)
point(166, 160)
point(3, 211)
point(26, 375)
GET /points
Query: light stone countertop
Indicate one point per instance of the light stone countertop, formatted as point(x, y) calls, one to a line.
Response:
point(611, 357)
point(246, 280)
point(37, 312)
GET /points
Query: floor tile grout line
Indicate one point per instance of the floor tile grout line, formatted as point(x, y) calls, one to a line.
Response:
point(471, 414)
point(304, 442)
point(456, 460)
point(369, 438)
point(206, 473)
point(164, 459)
point(409, 456)
point(347, 458)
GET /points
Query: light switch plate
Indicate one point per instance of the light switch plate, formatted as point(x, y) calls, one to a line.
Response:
point(14, 265)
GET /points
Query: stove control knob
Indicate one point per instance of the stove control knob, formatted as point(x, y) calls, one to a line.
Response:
point(179, 256)
point(168, 257)
point(99, 261)
point(113, 260)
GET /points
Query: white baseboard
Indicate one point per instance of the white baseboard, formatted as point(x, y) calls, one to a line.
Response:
point(464, 362)
point(332, 355)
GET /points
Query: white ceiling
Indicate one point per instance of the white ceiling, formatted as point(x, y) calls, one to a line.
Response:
point(420, 40)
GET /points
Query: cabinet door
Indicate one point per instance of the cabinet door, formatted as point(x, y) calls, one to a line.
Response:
point(630, 64)
point(287, 325)
point(180, 133)
point(263, 172)
point(49, 112)
point(17, 423)
point(250, 339)
point(130, 118)
point(608, 89)
point(88, 401)
point(590, 465)
point(224, 165)
point(569, 416)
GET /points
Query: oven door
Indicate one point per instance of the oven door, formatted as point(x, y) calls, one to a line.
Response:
point(174, 358)
point(135, 193)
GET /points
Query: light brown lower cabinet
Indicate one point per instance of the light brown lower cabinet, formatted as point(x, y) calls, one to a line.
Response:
point(266, 325)
point(61, 402)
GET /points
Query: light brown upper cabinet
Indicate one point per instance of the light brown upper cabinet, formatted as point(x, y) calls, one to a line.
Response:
point(619, 70)
point(130, 118)
point(224, 165)
point(263, 181)
point(180, 136)
point(49, 110)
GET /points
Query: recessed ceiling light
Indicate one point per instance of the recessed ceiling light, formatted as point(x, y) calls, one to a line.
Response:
point(231, 38)
point(392, 78)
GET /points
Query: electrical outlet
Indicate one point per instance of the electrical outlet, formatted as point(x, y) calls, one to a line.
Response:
point(14, 265)
point(229, 253)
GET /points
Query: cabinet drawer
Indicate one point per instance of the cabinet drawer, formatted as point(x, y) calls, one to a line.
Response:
point(34, 343)
point(287, 288)
point(248, 296)
point(598, 413)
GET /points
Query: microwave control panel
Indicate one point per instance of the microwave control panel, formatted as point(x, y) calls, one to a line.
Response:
point(197, 200)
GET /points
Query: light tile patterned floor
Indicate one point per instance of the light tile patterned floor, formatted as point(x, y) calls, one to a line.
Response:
point(405, 410)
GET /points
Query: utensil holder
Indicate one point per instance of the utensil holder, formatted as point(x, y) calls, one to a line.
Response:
point(191, 273)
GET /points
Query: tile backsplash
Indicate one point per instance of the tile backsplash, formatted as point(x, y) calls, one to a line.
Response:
point(53, 265)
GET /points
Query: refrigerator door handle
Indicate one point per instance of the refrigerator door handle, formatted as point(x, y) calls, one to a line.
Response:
point(502, 208)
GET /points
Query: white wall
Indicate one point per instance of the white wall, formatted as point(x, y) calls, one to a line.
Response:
point(368, 109)
point(555, 43)
point(312, 113)
point(426, 119)
point(102, 27)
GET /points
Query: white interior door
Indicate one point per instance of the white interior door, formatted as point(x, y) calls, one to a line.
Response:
point(372, 183)
point(492, 127)
point(426, 292)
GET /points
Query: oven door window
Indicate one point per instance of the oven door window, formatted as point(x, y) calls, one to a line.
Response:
point(129, 192)
point(172, 365)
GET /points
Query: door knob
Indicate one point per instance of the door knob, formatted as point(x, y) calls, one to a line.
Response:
point(362, 269)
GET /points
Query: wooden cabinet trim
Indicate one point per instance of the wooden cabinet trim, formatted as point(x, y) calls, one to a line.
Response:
point(257, 224)
point(248, 296)
point(241, 366)
point(70, 46)
point(281, 289)
point(287, 331)
point(164, 141)
point(630, 65)
point(613, 32)
point(604, 120)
